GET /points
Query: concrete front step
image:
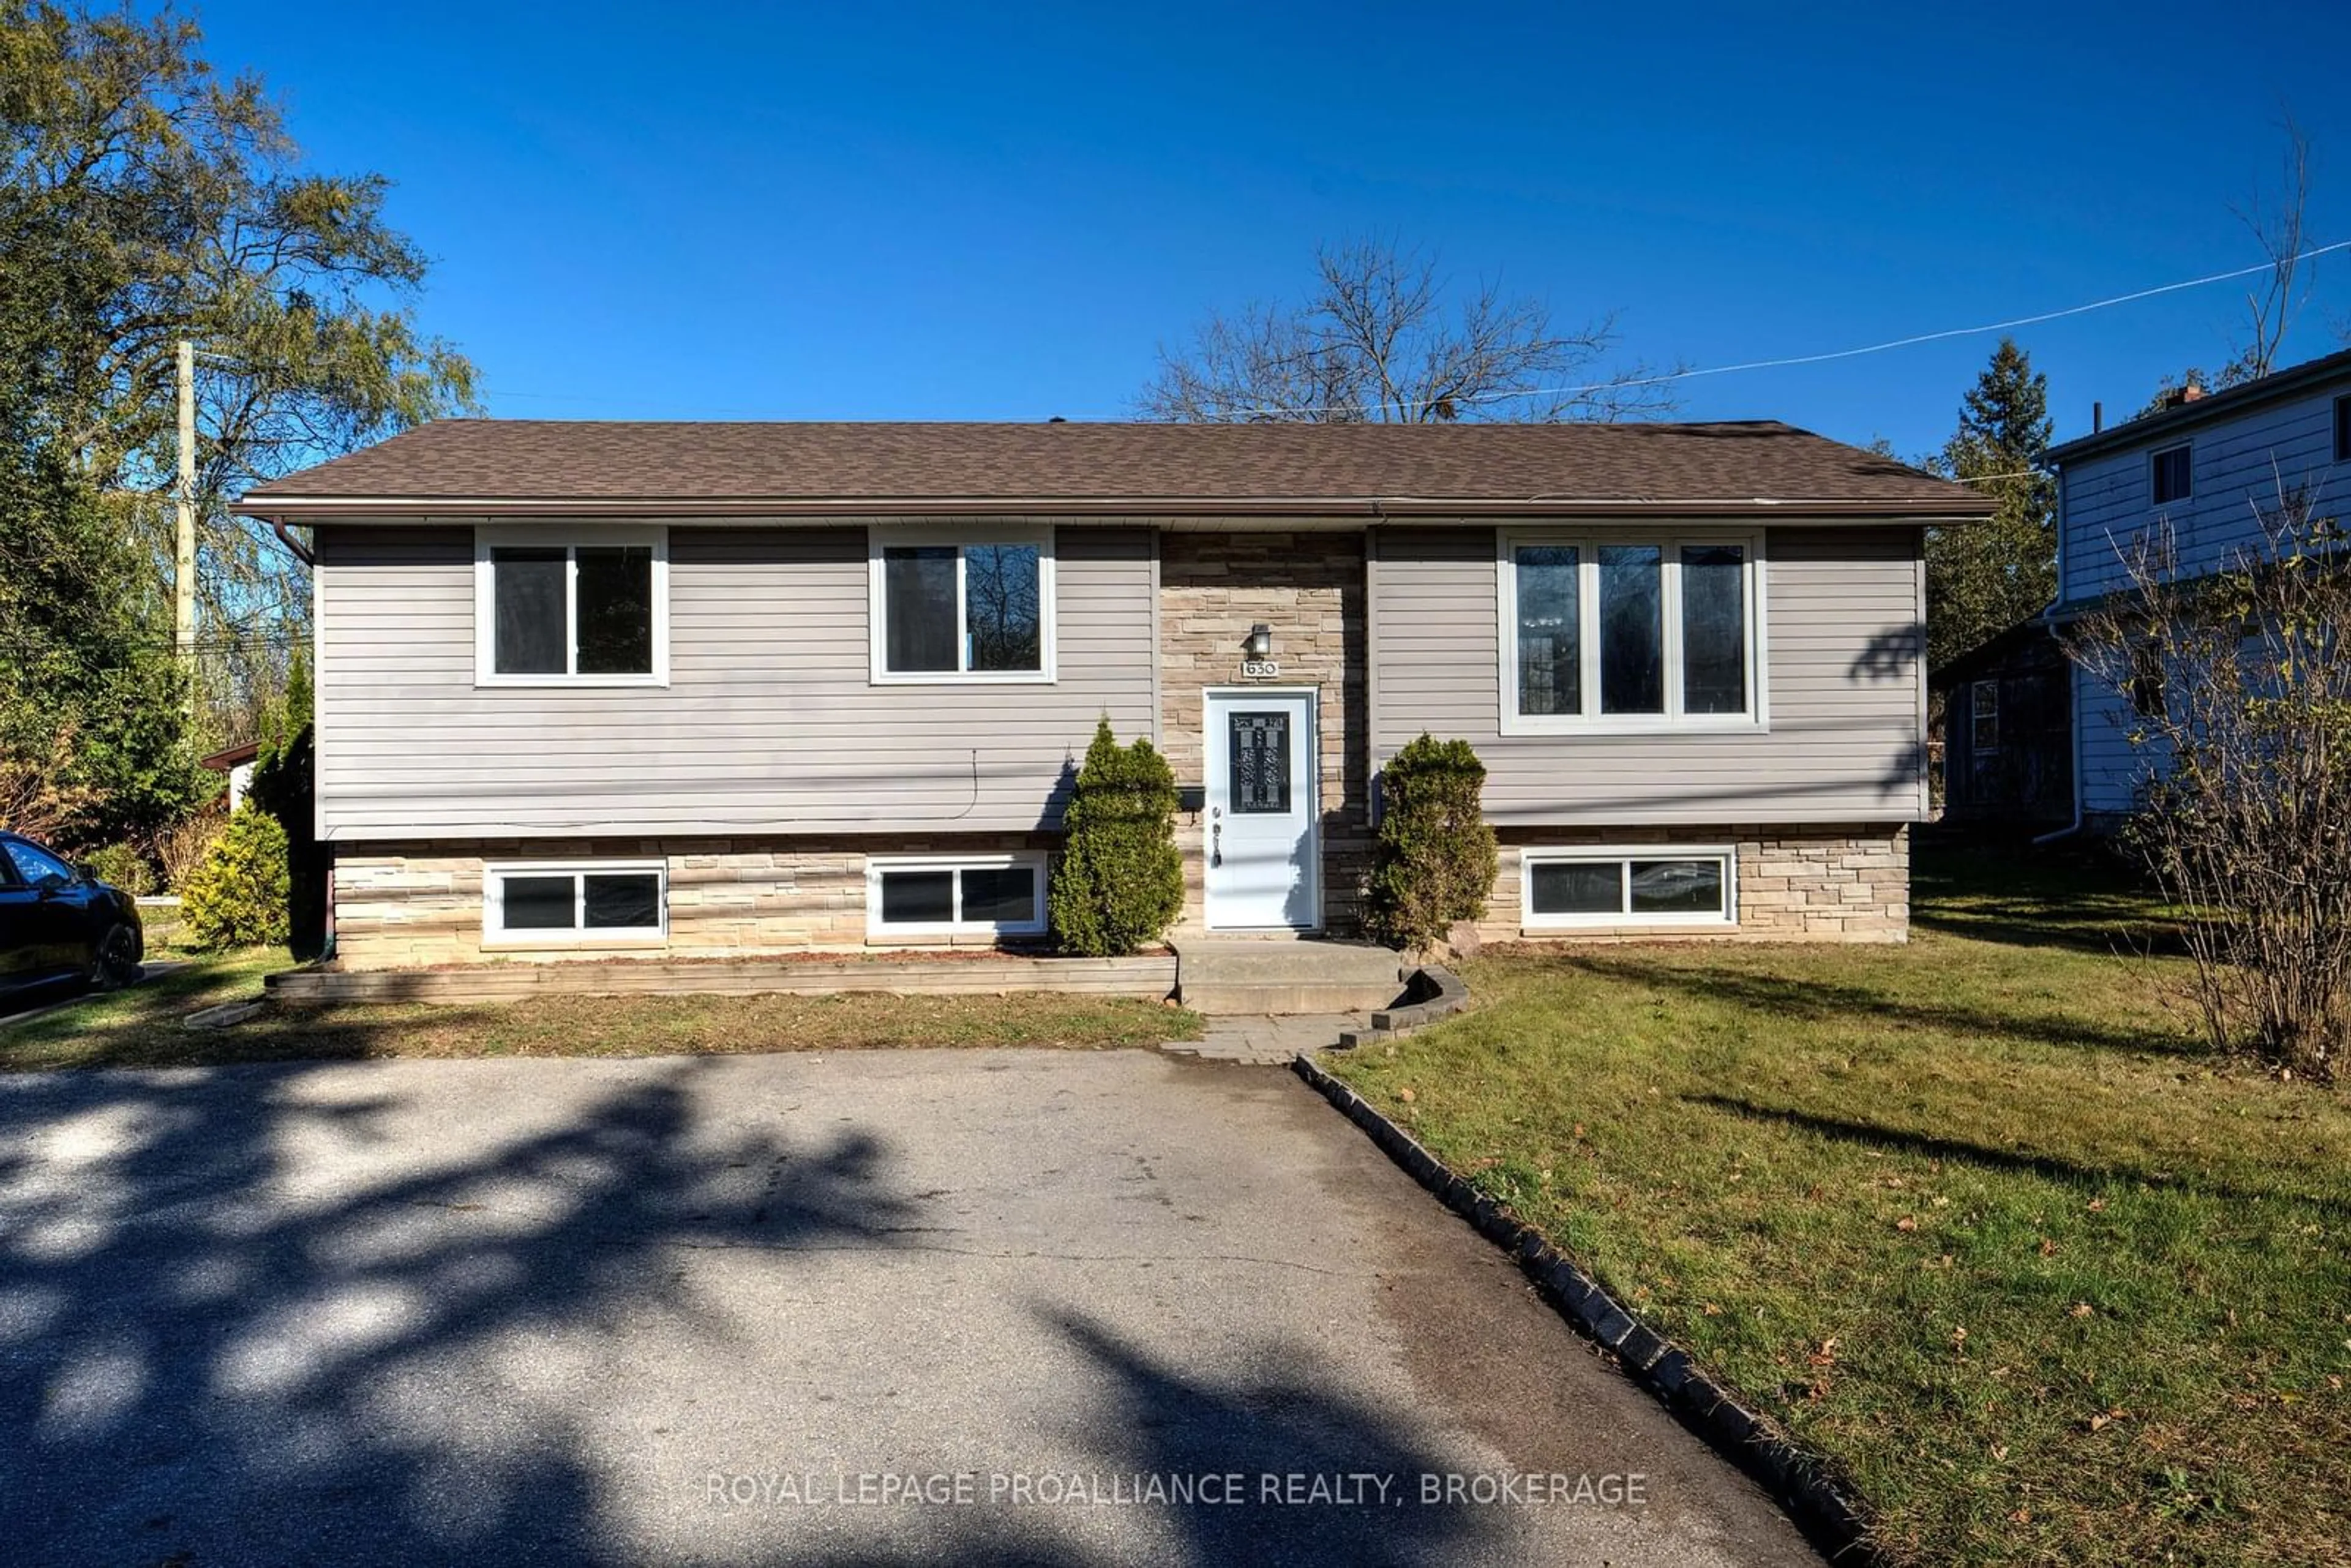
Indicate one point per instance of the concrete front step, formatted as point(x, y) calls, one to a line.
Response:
point(1283, 976)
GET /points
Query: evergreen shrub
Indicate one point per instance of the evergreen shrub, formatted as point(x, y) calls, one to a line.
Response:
point(1118, 882)
point(236, 895)
point(1434, 859)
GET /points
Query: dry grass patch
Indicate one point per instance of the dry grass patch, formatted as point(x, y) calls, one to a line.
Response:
point(142, 1027)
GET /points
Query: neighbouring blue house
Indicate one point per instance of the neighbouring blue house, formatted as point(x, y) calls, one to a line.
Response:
point(2207, 463)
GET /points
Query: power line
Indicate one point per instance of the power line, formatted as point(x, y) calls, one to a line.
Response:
point(1663, 378)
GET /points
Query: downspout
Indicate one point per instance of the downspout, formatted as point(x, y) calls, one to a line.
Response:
point(294, 547)
point(2074, 724)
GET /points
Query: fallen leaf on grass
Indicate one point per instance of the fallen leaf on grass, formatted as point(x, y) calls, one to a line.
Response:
point(2048, 1248)
point(2080, 1310)
point(1406, 1095)
point(1905, 1223)
point(2097, 1204)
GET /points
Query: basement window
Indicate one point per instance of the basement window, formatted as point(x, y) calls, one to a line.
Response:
point(578, 904)
point(1649, 886)
point(965, 895)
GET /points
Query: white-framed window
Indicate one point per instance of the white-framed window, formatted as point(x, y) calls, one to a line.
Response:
point(584, 606)
point(1643, 884)
point(574, 904)
point(955, 895)
point(962, 604)
point(1983, 715)
point(1607, 632)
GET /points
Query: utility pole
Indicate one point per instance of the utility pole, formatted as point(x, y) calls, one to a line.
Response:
point(184, 556)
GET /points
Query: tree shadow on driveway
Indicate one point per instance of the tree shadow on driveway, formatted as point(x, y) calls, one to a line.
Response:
point(209, 1354)
point(1158, 1421)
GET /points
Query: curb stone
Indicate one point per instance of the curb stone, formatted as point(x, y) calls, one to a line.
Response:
point(1825, 1513)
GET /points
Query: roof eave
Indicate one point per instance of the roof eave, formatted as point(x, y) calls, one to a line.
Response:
point(2173, 422)
point(298, 509)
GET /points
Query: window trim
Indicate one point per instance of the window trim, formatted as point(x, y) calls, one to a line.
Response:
point(568, 537)
point(495, 934)
point(1624, 854)
point(876, 865)
point(2154, 467)
point(881, 537)
point(1976, 690)
point(1587, 541)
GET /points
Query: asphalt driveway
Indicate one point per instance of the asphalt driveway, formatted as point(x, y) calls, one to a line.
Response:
point(970, 1307)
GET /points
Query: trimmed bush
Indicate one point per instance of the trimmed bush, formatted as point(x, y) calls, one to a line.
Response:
point(1118, 882)
point(122, 866)
point(1435, 859)
point(236, 895)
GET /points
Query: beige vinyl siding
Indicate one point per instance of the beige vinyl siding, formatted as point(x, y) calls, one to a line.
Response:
point(2235, 465)
point(1844, 680)
point(769, 725)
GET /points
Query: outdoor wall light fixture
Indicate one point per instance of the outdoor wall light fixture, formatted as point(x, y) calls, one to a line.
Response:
point(1260, 641)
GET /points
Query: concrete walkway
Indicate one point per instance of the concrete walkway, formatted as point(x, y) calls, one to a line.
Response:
point(1272, 1042)
point(970, 1307)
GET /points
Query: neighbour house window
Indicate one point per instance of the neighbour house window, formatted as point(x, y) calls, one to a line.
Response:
point(593, 610)
point(2146, 680)
point(1983, 715)
point(578, 904)
point(985, 895)
point(963, 609)
point(2342, 428)
point(1612, 633)
point(2170, 474)
point(1668, 885)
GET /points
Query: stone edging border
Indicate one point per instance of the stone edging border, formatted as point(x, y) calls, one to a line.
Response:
point(1824, 1512)
point(1446, 993)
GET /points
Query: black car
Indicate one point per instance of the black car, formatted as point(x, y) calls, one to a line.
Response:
point(55, 923)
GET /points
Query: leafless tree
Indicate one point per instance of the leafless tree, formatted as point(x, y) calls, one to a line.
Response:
point(1383, 336)
point(2239, 692)
point(2277, 222)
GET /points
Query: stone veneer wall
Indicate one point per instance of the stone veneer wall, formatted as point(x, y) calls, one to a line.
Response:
point(1826, 884)
point(407, 906)
point(1307, 587)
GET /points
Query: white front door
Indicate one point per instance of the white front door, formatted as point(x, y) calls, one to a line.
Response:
point(1263, 864)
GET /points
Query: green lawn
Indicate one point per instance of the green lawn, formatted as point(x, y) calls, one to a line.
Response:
point(141, 1027)
point(1977, 1218)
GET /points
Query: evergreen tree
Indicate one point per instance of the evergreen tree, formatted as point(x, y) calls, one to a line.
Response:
point(1985, 577)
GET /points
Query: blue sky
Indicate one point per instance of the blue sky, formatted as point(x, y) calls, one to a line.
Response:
point(874, 211)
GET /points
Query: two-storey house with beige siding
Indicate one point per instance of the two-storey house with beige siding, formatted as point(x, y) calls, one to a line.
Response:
point(2206, 467)
point(588, 689)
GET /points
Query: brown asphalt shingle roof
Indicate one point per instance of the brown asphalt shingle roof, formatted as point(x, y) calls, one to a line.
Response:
point(1202, 467)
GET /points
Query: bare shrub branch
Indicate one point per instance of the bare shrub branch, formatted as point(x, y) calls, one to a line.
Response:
point(2238, 687)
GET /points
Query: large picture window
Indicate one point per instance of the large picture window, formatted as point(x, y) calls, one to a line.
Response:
point(1607, 633)
point(962, 608)
point(978, 896)
point(589, 611)
point(1661, 885)
point(575, 903)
